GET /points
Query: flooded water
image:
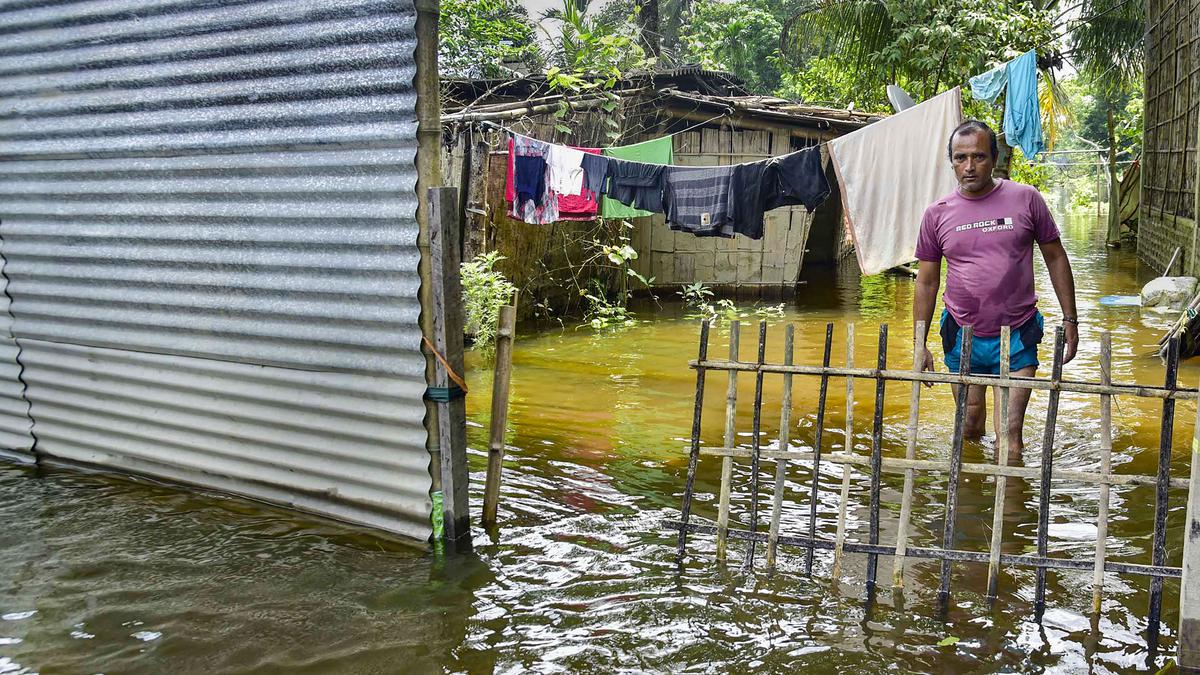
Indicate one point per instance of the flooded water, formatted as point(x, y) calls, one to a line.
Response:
point(106, 575)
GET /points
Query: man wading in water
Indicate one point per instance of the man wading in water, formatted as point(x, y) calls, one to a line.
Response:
point(986, 230)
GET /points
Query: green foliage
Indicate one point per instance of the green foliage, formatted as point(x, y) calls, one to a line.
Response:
point(476, 38)
point(922, 45)
point(738, 37)
point(698, 299)
point(604, 312)
point(485, 291)
point(1021, 170)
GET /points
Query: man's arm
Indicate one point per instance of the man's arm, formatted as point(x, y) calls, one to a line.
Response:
point(1064, 287)
point(929, 278)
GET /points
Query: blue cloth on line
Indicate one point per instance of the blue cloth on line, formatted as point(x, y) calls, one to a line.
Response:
point(987, 87)
point(1022, 113)
point(529, 178)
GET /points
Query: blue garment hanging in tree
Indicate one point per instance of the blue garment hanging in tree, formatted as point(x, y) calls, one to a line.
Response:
point(1022, 114)
point(989, 85)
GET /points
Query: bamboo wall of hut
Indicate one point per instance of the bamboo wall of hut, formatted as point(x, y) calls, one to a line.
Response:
point(1170, 191)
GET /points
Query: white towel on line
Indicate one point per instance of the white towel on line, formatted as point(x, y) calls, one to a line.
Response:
point(564, 170)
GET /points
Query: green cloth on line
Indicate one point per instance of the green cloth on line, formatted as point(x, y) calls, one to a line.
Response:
point(657, 151)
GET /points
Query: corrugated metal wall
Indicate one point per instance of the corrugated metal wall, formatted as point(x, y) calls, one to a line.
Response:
point(207, 221)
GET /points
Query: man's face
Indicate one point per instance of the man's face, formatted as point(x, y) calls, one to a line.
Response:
point(971, 155)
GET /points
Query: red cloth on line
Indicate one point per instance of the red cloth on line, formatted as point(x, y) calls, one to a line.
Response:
point(583, 206)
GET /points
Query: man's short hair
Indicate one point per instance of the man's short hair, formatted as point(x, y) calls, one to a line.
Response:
point(974, 127)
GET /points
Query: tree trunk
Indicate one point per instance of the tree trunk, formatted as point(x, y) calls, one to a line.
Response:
point(649, 26)
point(1114, 187)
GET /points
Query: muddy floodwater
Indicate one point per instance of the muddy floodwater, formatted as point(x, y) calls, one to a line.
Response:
point(99, 574)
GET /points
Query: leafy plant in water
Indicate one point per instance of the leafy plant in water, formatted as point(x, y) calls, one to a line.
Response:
point(485, 291)
point(603, 312)
point(698, 298)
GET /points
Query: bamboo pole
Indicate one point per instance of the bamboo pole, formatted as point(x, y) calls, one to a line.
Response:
point(500, 388)
point(781, 465)
point(1165, 442)
point(730, 429)
point(960, 412)
point(1036, 384)
point(1002, 460)
point(694, 455)
point(849, 449)
point(876, 456)
point(756, 442)
point(1047, 474)
point(910, 453)
point(1105, 467)
point(1189, 587)
point(816, 458)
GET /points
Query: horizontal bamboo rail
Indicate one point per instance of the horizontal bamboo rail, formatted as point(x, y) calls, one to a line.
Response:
point(1037, 384)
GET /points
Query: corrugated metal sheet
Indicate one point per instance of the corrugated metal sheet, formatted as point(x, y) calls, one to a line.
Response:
point(207, 219)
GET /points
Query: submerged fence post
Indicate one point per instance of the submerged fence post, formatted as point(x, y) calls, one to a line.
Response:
point(500, 386)
point(785, 423)
point(448, 320)
point(876, 457)
point(730, 439)
point(756, 443)
point(816, 469)
point(1166, 438)
point(1189, 586)
point(1001, 460)
point(1105, 469)
point(694, 455)
point(1047, 470)
point(910, 453)
point(848, 448)
point(956, 448)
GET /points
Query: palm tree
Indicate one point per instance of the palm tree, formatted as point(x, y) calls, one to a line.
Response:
point(1107, 47)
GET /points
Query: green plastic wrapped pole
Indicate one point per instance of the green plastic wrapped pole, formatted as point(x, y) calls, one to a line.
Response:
point(437, 519)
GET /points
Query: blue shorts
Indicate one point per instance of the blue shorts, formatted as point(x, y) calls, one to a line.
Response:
point(985, 351)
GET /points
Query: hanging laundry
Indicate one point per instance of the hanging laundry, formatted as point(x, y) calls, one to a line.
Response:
point(585, 205)
point(1022, 113)
point(657, 151)
point(697, 200)
point(564, 170)
point(989, 85)
point(889, 172)
point(634, 186)
point(795, 179)
point(544, 209)
point(529, 177)
point(595, 170)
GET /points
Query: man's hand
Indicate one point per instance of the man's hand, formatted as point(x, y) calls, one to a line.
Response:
point(927, 365)
point(1070, 341)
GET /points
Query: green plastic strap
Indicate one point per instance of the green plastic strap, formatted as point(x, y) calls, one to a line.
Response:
point(444, 394)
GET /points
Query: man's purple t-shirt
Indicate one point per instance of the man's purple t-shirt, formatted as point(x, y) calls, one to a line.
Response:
point(988, 246)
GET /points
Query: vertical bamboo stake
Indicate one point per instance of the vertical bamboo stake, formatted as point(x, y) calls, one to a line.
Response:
point(1043, 529)
point(1001, 459)
point(816, 470)
point(785, 423)
point(1189, 585)
point(500, 386)
point(694, 455)
point(730, 437)
point(756, 442)
point(877, 456)
point(849, 449)
point(960, 414)
point(1105, 469)
point(910, 452)
point(1166, 439)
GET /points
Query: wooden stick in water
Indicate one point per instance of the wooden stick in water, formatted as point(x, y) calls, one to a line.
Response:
point(1002, 460)
point(730, 437)
point(876, 455)
point(756, 442)
point(785, 423)
point(1105, 467)
point(1047, 468)
point(848, 449)
point(910, 453)
point(816, 470)
point(1165, 441)
point(694, 456)
point(960, 417)
point(500, 387)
